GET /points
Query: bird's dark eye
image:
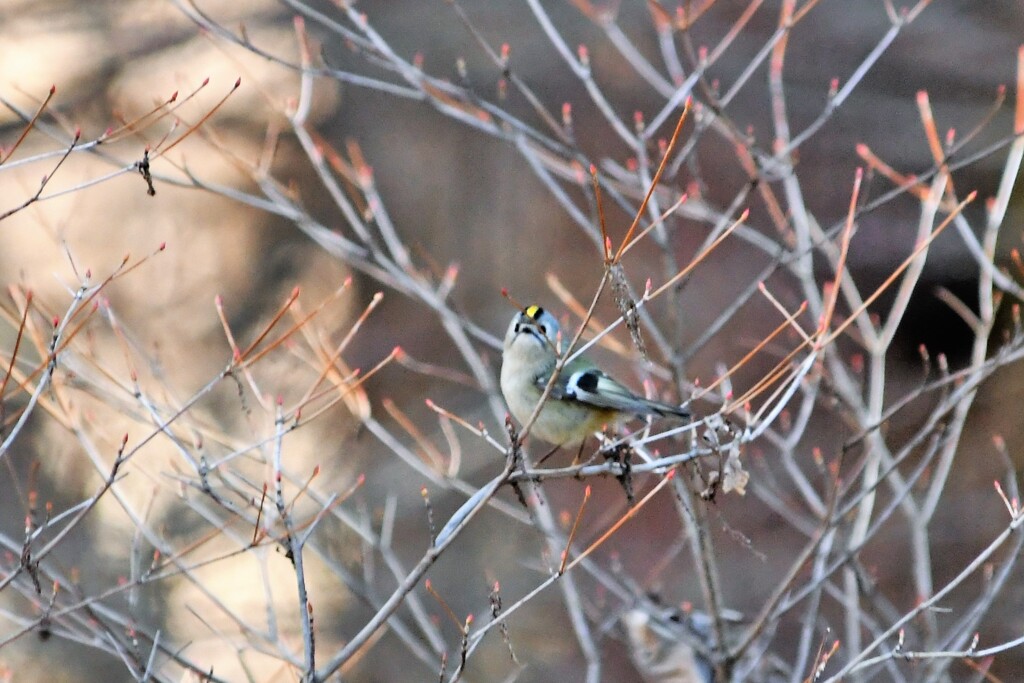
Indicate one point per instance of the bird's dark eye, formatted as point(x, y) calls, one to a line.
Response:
point(543, 330)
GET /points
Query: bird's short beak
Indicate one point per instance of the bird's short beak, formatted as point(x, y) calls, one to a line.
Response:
point(526, 325)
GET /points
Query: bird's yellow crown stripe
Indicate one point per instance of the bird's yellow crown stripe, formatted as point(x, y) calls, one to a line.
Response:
point(534, 311)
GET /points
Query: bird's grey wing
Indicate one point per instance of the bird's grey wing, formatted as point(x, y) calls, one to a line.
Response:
point(593, 387)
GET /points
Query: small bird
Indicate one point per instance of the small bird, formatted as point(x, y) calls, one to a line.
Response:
point(583, 399)
point(661, 655)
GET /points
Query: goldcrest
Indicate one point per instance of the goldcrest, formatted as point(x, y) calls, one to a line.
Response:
point(583, 399)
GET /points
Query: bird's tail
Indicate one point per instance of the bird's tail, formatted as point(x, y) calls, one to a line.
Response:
point(665, 409)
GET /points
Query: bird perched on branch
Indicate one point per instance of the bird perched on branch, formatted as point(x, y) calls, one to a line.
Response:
point(583, 398)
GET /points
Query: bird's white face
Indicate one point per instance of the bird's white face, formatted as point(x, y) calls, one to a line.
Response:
point(534, 332)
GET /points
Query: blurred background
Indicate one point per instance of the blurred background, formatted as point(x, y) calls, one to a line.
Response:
point(466, 197)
